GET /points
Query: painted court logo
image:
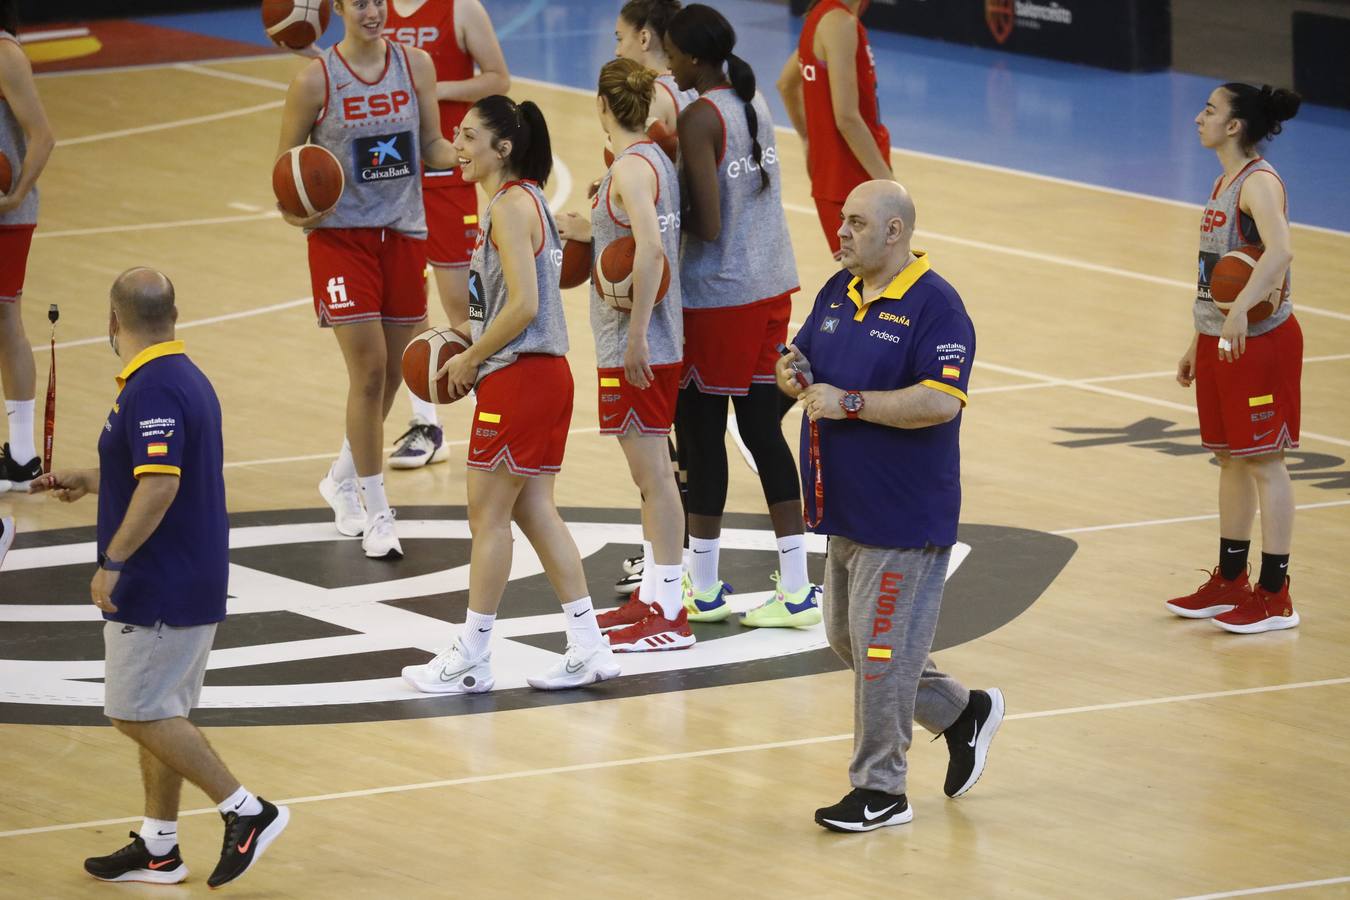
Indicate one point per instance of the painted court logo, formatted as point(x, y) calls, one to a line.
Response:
point(318, 633)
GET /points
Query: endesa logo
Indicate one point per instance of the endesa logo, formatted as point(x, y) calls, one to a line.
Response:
point(1214, 219)
point(374, 106)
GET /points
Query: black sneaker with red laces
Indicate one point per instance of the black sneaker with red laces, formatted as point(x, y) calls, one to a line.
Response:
point(246, 837)
point(136, 863)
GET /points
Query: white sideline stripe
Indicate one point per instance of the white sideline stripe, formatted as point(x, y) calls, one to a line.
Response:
point(1271, 888)
point(258, 311)
point(56, 34)
point(1003, 388)
point(164, 126)
point(313, 456)
point(1072, 263)
point(154, 226)
point(675, 757)
point(1179, 519)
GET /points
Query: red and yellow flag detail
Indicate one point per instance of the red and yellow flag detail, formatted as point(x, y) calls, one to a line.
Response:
point(878, 652)
point(952, 372)
point(157, 450)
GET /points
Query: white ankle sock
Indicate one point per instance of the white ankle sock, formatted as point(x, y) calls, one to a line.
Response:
point(582, 629)
point(423, 409)
point(477, 633)
point(646, 588)
point(20, 414)
point(792, 563)
point(668, 589)
point(372, 493)
point(242, 802)
point(345, 466)
point(160, 835)
point(703, 555)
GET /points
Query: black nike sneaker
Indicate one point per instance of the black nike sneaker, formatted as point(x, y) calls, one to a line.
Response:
point(135, 863)
point(864, 810)
point(15, 476)
point(246, 837)
point(968, 740)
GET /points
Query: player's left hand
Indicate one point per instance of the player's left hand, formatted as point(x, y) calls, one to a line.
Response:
point(821, 401)
point(304, 223)
point(101, 589)
point(1233, 337)
point(637, 362)
point(574, 227)
point(9, 202)
point(461, 372)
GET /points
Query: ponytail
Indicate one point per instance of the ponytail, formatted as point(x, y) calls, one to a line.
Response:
point(524, 126)
point(1262, 110)
point(627, 87)
point(9, 16)
point(705, 34)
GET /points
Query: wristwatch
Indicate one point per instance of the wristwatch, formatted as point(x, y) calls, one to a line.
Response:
point(851, 403)
point(110, 565)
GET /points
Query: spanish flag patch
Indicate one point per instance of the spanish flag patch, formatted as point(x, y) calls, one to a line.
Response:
point(874, 652)
point(609, 382)
point(952, 372)
point(489, 417)
point(1263, 400)
point(157, 450)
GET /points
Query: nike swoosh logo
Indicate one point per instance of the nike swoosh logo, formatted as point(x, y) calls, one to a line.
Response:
point(344, 85)
point(1257, 437)
point(702, 551)
point(1239, 550)
point(871, 677)
point(159, 865)
point(835, 305)
point(608, 418)
point(975, 735)
point(486, 630)
point(873, 816)
point(1284, 565)
point(669, 580)
point(167, 833)
point(790, 549)
point(243, 848)
point(453, 675)
point(574, 669)
point(795, 608)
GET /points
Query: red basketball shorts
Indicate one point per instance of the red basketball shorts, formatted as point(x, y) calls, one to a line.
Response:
point(829, 211)
point(15, 241)
point(522, 417)
point(1251, 407)
point(624, 406)
point(452, 224)
point(367, 275)
point(729, 348)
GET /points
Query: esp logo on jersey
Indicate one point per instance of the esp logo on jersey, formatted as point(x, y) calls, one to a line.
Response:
point(414, 37)
point(374, 106)
point(1214, 219)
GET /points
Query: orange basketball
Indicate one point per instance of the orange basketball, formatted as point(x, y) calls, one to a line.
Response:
point(665, 139)
point(307, 180)
point(419, 370)
point(1230, 276)
point(295, 23)
point(576, 263)
point(6, 174)
point(613, 274)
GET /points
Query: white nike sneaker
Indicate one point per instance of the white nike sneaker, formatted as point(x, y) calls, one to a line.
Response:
point(381, 541)
point(349, 513)
point(452, 672)
point(6, 536)
point(578, 667)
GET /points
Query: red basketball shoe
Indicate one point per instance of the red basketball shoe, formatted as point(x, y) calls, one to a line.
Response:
point(655, 632)
point(1213, 597)
point(632, 612)
point(1261, 611)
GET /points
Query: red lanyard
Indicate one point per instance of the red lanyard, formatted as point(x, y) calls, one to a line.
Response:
point(813, 464)
point(49, 423)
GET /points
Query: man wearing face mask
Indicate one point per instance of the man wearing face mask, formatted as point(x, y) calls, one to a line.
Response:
point(163, 559)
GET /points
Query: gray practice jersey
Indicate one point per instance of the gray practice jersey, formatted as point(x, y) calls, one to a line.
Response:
point(1225, 227)
point(374, 130)
point(752, 258)
point(547, 333)
point(15, 147)
point(665, 334)
point(681, 98)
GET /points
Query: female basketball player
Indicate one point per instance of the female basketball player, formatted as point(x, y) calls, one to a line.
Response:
point(737, 276)
point(640, 35)
point(26, 141)
point(372, 103)
point(1246, 375)
point(517, 364)
point(639, 352)
point(829, 86)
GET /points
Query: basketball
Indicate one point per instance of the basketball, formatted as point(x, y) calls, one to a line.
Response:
point(6, 174)
point(613, 275)
point(295, 23)
point(307, 180)
point(665, 139)
point(1230, 276)
point(576, 263)
point(419, 370)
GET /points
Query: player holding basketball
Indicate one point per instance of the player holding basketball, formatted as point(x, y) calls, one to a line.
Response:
point(26, 141)
point(372, 103)
point(829, 86)
point(640, 352)
point(517, 365)
point(1246, 376)
point(738, 275)
point(459, 36)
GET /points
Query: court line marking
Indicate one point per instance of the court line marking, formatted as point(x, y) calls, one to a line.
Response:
point(226, 317)
point(154, 226)
point(1271, 888)
point(315, 456)
point(1169, 373)
point(1147, 522)
point(165, 126)
point(674, 757)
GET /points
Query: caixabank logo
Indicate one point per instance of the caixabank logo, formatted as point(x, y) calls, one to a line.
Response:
point(318, 633)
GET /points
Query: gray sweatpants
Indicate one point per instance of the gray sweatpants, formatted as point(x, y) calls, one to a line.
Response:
point(881, 611)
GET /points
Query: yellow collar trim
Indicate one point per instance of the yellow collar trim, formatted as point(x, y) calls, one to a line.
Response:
point(899, 285)
point(154, 351)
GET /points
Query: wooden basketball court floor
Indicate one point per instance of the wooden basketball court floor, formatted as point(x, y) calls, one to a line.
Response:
point(1144, 756)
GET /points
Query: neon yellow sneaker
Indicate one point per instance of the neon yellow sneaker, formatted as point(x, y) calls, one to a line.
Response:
point(710, 605)
point(800, 609)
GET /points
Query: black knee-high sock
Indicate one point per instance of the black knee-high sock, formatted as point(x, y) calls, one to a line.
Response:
point(1232, 558)
point(1274, 568)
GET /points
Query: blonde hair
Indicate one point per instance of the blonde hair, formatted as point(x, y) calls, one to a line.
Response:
point(628, 87)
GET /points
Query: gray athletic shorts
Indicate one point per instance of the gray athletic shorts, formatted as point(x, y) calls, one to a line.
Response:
point(154, 671)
